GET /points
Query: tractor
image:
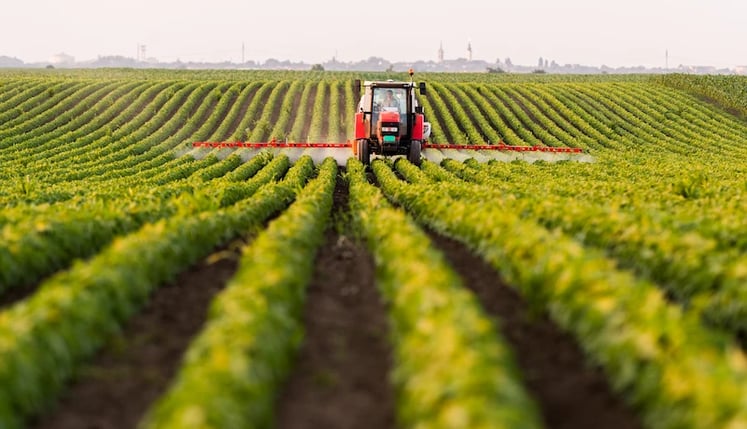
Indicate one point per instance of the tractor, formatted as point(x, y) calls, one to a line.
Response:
point(389, 120)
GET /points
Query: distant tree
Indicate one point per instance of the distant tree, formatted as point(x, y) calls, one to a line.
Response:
point(317, 67)
point(539, 71)
point(495, 70)
point(49, 66)
point(508, 62)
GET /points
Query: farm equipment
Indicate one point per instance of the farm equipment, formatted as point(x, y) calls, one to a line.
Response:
point(389, 121)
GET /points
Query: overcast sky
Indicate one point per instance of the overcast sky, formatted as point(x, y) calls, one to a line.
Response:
point(589, 32)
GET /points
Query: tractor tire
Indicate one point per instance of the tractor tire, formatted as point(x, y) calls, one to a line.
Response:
point(414, 155)
point(364, 155)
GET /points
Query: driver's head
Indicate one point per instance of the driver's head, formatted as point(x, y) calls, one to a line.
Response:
point(389, 93)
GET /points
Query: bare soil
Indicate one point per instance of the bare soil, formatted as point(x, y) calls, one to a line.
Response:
point(212, 105)
point(435, 116)
point(225, 93)
point(571, 393)
point(141, 106)
point(472, 116)
point(327, 103)
point(242, 113)
point(275, 114)
point(116, 389)
point(16, 294)
point(309, 108)
point(520, 102)
point(340, 134)
point(341, 375)
point(295, 109)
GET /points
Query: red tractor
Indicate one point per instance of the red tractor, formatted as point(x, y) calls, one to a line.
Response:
point(389, 120)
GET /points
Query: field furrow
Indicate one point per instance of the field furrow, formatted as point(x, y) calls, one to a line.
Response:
point(149, 281)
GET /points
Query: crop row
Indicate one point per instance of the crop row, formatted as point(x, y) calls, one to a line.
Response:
point(690, 266)
point(426, 300)
point(630, 254)
point(625, 324)
point(101, 122)
point(233, 369)
point(41, 244)
point(46, 337)
point(729, 91)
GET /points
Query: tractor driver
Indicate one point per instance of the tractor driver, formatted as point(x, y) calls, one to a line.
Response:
point(389, 100)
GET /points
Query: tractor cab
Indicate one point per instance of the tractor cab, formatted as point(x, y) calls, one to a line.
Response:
point(389, 120)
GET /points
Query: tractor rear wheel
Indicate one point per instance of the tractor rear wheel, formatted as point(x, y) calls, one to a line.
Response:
point(414, 155)
point(364, 155)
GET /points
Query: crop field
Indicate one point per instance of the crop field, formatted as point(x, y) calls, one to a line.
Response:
point(148, 283)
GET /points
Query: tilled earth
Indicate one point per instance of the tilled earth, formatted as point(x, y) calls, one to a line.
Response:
point(116, 389)
point(570, 392)
point(340, 379)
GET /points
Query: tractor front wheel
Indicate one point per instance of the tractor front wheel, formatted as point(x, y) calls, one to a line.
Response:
point(414, 155)
point(364, 155)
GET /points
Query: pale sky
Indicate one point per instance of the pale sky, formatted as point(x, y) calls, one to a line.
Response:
point(589, 32)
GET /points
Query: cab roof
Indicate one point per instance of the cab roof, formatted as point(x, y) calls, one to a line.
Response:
point(388, 84)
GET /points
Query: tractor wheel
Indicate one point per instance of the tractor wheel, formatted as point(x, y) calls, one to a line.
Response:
point(414, 156)
point(364, 155)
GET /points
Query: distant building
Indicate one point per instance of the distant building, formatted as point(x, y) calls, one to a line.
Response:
point(62, 59)
point(698, 69)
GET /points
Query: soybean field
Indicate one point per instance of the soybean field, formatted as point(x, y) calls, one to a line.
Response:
point(146, 282)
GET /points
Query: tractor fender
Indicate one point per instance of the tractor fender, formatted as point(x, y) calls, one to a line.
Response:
point(360, 126)
point(417, 128)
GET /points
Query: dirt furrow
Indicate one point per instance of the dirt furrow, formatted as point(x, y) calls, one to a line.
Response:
point(340, 379)
point(570, 392)
point(116, 389)
point(16, 294)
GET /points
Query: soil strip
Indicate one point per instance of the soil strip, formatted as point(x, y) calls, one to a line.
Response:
point(309, 108)
point(327, 108)
point(570, 392)
point(136, 367)
point(246, 101)
point(340, 379)
point(16, 294)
